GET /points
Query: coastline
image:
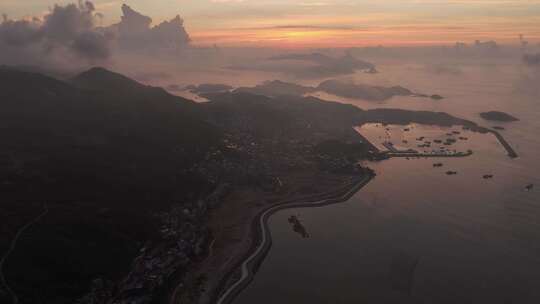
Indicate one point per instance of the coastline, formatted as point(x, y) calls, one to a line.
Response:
point(239, 263)
point(259, 248)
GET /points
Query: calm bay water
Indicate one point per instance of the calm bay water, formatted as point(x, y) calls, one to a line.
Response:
point(415, 234)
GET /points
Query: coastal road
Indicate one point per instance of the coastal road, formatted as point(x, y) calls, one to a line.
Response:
point(12, 246)
point(264, 243)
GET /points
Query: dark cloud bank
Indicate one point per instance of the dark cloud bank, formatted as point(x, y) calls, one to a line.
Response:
point(66, 32)
point(69, 36)
point(134, 32)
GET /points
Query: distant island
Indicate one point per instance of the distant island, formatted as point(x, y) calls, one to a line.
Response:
point(336, 87)
point(276, 88)
point(361, 91)
point(498, 116)
point(434, 96)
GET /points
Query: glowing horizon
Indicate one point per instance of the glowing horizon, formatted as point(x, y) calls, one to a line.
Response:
point(332, 23)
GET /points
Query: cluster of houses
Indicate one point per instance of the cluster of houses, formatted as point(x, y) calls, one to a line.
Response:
point(184, 240)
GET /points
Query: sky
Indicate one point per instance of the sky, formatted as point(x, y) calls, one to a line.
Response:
point(326, 23)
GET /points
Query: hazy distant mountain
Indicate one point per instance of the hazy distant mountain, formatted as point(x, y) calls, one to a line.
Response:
point(361, 91)
point(301, 117)
point(277, 88)
point(336, 87)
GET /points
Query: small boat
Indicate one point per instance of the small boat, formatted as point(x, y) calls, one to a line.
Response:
point(451, 172)
point(437, 165)
point(488, 176)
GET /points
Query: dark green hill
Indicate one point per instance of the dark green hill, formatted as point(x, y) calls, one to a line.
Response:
point(105, 153)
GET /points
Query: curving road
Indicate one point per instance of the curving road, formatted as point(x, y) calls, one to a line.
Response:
point(250, 263)
point(14, 298)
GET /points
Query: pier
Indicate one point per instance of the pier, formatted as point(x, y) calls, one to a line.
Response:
point(509, 150)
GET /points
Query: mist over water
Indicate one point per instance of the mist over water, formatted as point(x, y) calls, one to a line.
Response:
point(415, 234)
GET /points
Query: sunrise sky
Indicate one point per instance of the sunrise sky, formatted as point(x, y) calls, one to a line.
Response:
point(326, 23)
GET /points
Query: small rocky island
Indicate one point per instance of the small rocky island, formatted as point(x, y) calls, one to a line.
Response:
point(498, 116)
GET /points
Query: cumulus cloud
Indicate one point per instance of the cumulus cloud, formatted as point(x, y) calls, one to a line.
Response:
point(65, 23)
point(65, 32)
point(20, 33)
point(134, 32)
point(91, 45)
point(68, 36)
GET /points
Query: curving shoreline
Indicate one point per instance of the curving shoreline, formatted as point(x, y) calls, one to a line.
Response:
point(263, 241)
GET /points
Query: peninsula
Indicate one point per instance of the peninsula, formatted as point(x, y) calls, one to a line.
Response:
point(498, 116)
point(181, 190)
